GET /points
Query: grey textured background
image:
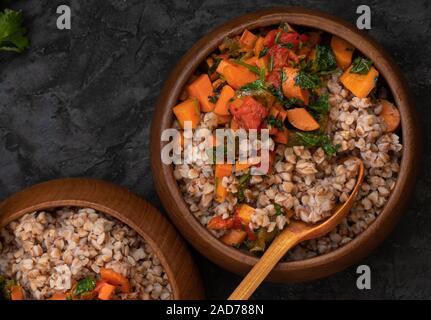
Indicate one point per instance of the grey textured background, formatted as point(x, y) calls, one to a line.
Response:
point(79, 103)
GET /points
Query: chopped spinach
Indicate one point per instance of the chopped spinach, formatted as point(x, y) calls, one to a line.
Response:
point(243, 183)
point(84, 286)
point(275, 123)
point(325, 60)
point(307, 80)
point(320, 105)
point(278, 209)
point(361, 66)
point(311, 139)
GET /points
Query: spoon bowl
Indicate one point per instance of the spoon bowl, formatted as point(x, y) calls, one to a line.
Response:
point(296, 232)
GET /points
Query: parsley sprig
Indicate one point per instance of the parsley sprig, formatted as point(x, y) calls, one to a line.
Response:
point(12, 33)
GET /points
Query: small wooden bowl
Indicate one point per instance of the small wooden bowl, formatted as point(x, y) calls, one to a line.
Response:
point(123, 205)
point(235, 260)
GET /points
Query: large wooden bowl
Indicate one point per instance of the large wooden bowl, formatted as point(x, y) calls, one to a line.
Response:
point(240, 262)
point(123, 205)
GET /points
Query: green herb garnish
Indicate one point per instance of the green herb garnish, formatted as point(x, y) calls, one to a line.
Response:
point(309, 139)
point(361, 66)
point(307, 80)
point(325, 60)
point(263, 52)
point(253, 69)
point(287, 45)
point(278, 209)
point(84, 286)
point(214, 66)
point(320, 105)
point(271, 63)
point(277, 37)
point(12, 33)
point(275, 123)
point(243, 183)
point(212, 99)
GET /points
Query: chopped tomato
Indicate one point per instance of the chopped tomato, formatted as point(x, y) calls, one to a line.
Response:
point(279, 56)
point(294, 38)
point(218, 223)
point(249, 114)
point(270, 38)
point(251, 236)
point(274, 78)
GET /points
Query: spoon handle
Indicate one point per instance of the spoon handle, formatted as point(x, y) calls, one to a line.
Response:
point(278, 248)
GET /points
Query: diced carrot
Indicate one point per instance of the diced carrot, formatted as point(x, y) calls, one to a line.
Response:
point(201, 89)
point(282, 115)
point(223, 170)
point(233, 237)
point(115, 278)
point(343, 51)
point(290, 89)
point(248, 39)
point(221, 107)
point(58, 296)
point(188, 111)
point(274, 111)
point(282, 136)
point(390, 115)
point(360, 84)
point(245, 212)
point(235, 74)
point(220, 191)
point(218, 223)
point(302, 119)
point(251, 61)
point(258, 46)
point(106, 292)
point(263, 63)
point(16, 293)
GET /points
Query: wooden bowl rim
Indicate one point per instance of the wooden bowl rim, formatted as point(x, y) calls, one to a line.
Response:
point(322, 265)
point(79, 199)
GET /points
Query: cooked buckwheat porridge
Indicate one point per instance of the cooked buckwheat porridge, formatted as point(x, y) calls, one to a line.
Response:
point(77, 253)
point(321, 101)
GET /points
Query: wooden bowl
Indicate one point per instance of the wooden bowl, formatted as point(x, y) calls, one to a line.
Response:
point(123, 205)
point(240, 262)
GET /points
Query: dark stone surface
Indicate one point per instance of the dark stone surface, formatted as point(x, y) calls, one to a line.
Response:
point(79, 103)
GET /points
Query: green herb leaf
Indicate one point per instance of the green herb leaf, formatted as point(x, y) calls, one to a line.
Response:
point(320, 105)
point(214, 66)
point(307, 80)
point(275, 123)
point(263, 52)
point(271, 63)
point(309, 139)
point(212, 99)
point(253, 69)
point(361, 66)
point(278, 209)
point(85, 285)
point(243, 183)
point(287, 45)
point(277, 37)
point(12, 33)
point(325, 60)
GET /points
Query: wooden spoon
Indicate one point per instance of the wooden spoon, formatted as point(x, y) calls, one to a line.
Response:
point(296, 232)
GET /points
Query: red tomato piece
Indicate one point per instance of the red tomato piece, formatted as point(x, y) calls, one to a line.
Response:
point(249, 114)
point(218, 223)
point(270, 38)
